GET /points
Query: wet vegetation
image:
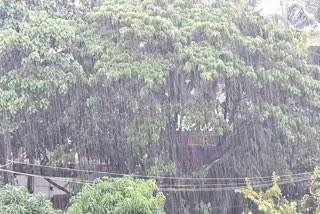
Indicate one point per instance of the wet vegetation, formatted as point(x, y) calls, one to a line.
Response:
point(14, 200)
point(165, 89)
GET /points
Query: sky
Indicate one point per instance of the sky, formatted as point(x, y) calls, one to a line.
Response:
point(269, 7)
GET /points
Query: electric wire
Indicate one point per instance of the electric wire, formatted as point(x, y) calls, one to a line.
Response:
point(232, 184)
point(224, 189)
point(71, 180)
point(85, 182)
point(291, 180)
point(158, 177)
point(5, 165)
point(168, 189)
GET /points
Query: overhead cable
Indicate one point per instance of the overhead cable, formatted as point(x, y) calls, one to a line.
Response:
point(168, 189)
point(71, 180)
point(223, 188)
point(158, 177)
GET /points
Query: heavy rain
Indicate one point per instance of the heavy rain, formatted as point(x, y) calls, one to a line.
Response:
point(159, 106)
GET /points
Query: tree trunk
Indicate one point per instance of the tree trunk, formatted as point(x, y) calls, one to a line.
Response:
point(3, 159)
point(30, 182)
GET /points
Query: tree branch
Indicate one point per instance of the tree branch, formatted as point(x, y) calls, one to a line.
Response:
point(58, 186)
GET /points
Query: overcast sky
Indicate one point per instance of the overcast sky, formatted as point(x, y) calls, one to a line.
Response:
point(270, 7)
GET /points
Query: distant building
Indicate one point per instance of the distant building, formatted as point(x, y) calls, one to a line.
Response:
point(58, 197)
point(61, 176)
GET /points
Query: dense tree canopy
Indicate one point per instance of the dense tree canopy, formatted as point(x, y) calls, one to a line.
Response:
point(122, 83)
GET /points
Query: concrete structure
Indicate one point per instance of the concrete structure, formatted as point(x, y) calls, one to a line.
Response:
point(42, 186)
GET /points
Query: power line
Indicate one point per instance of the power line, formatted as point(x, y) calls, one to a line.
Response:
point(157, 177)
point(232, 184)
point(170, 189)
point(160, 189)
point(235, 185)
point(291, 180)
point(5, 165)
point(223, 189)
point(173, 187)
point(48, 177)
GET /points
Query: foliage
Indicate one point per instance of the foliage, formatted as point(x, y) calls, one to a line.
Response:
point(272, 200)
point(310, 203)
point(118, 195)
point(162, 168)
point(17, 200)
point(35, 38)
point(204, 208)
point(201, 208)
point(61, 156)
point(103, 78)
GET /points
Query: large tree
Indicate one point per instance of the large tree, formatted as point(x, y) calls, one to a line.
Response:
point(123, 83)
point(36, 66)
point(174, 66)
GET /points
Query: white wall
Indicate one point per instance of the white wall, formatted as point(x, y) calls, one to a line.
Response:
point(41, 185)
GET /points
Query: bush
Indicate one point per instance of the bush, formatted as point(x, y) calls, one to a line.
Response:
point(118, 196)
point(17, 200)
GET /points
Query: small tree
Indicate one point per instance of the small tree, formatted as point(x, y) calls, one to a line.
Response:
point(271, 201)
point(310, 203)
point(17, 200)
point(118, 195)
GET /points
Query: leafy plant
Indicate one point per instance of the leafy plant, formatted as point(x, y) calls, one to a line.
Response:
point(273, 202)
point(118, 195)
point(17, 200)
point(162, 168)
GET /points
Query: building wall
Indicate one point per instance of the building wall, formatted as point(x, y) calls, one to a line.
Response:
point(41, 185)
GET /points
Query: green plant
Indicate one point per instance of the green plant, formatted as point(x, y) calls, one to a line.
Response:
point(118, 195)
point(162, 168)
point(17, 200)
point(271, 201)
